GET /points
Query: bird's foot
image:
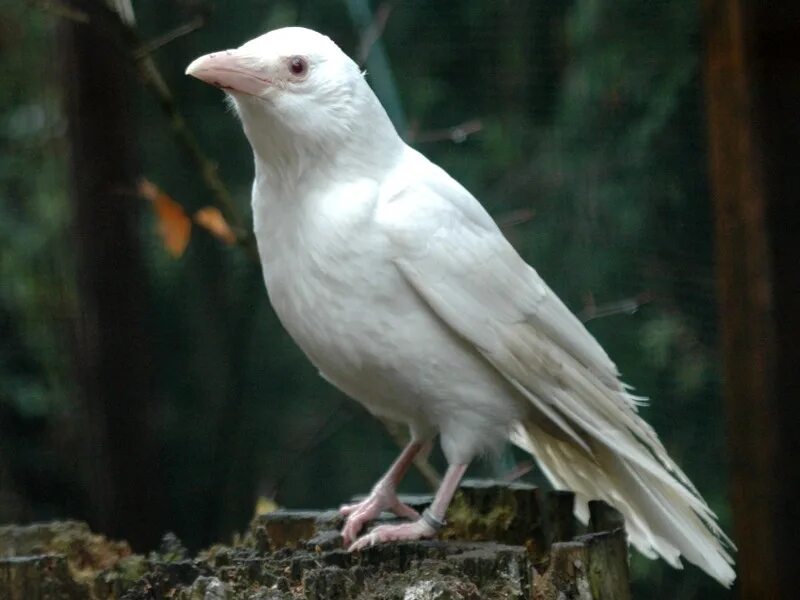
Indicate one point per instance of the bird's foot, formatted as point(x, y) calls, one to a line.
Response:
point(416, 530)
point(359, 514)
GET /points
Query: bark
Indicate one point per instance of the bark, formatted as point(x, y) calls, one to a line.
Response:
point(753, 90)
point(287, 555)
point(112, 355)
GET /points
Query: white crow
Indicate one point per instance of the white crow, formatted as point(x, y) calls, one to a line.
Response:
point(403, 292)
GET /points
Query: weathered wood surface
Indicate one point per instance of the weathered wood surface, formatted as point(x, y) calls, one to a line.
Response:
point(495, 546)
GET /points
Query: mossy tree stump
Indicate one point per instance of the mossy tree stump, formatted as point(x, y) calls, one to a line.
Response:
point(502, 541)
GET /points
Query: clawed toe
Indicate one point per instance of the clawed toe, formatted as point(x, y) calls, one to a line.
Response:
point(357, 515)
point(347, 509)
point(365, 541)
point(392, 533)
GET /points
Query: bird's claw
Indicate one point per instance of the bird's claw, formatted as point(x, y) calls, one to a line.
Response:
point(359, 514)
point(415, 530)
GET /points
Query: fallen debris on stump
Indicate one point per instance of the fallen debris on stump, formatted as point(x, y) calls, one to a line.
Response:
point(502, 541)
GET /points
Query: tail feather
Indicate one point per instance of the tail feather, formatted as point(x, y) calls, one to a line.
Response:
point(661, 518)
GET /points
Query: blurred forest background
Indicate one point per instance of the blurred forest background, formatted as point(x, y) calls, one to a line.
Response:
point(578, 123)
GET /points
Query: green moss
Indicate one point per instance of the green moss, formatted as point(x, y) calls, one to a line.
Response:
point(466, 521)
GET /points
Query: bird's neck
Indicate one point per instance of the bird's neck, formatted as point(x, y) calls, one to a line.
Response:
point(370, 148)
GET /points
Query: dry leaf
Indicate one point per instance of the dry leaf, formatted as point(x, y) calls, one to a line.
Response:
point(174, 225)
point(211, 219)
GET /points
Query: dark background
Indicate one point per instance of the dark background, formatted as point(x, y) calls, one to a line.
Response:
point(145, 392)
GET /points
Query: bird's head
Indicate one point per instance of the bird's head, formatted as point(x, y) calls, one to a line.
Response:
point(293, 85)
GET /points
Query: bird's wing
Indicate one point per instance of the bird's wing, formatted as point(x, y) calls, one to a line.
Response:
point(455, 257)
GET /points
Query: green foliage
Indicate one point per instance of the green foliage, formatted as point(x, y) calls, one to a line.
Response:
point(35, 296)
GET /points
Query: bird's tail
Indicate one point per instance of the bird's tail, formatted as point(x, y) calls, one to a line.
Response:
point(662, 517)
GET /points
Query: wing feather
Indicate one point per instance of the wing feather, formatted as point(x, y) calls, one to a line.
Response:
point(455, 257)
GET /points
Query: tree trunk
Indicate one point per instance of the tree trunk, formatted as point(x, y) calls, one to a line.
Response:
point(112, 354)
point(753, 88)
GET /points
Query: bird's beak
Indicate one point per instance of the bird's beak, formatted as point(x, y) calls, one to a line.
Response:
point(229, 70)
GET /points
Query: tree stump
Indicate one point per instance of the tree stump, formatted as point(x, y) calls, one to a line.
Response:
point(502, 541)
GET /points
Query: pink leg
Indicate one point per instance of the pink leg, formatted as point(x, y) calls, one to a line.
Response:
point(383, 496)
point(420, 528)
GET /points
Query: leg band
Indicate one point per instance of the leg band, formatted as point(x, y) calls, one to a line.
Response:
point(431, 521)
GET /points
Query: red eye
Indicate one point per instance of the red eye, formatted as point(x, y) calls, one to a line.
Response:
point(298, 65)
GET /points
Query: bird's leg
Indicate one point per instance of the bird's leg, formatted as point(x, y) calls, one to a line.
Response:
point(427, 525)
point(383, 496)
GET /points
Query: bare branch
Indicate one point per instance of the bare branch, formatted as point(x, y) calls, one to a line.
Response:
point(61, 9)
point(126, 38)
point(152, 78)
point(170, 36)
point(327, 427)
point(373, 33)
point(124, 9)
point(629, 306)
point(515, 217)
point(456, 134)
point(425, 468)
point(519, 470)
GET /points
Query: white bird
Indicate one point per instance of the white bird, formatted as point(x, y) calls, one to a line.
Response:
point(403, 292)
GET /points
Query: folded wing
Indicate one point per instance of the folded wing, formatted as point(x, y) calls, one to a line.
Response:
point(454, 256)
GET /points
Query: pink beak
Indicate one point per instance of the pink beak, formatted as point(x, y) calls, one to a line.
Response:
point(228, 70)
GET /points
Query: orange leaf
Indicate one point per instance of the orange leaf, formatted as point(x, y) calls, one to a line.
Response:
point(211, 219)
point(174, 226)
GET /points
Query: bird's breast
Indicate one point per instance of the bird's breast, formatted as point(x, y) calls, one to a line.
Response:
point(333, 285)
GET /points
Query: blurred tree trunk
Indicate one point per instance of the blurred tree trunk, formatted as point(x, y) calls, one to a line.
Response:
point(112, 354)
point(753, 85)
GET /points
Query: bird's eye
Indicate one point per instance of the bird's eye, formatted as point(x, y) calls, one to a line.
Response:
point(298, 65)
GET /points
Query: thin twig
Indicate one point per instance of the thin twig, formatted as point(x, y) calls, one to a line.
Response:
point(425, 468)
point(170, 36)
point(126, 37)
point(209, 172)
point(519, 470)
point(515, 217)
point(625, 306)
point(61, 9)
point(373, 33)
point(327, 428)
point(456, 134)
point(124, 9)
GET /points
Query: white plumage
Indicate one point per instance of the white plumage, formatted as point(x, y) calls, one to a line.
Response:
point(401, 289)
